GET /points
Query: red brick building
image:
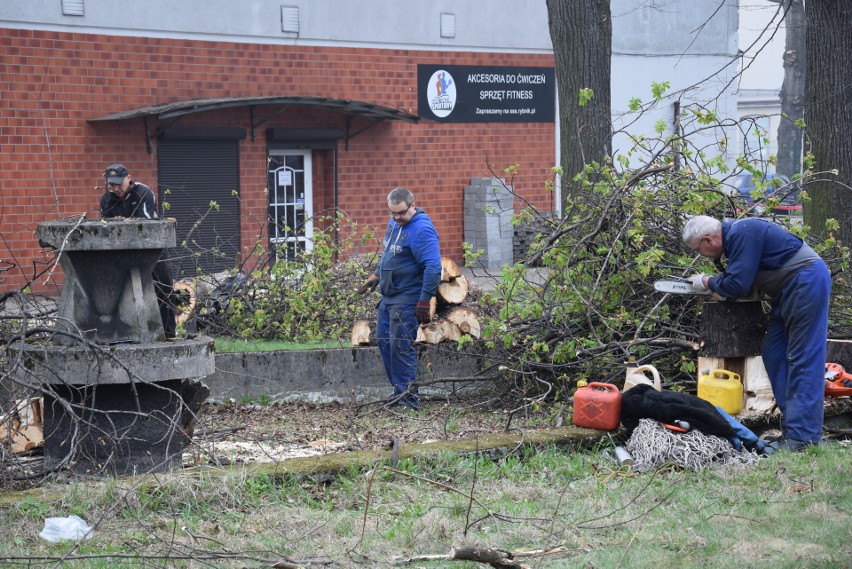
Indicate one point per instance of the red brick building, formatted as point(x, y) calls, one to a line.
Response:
point(264, 128)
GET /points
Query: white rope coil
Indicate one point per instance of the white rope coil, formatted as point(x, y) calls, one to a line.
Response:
point(652, 445)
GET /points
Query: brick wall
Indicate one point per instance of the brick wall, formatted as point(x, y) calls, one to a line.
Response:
point(52, 158)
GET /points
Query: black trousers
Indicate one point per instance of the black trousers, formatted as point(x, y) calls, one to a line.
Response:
point(164, 287)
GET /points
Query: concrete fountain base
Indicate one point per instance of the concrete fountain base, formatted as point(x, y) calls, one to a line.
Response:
point(109, 432)
point(115, 410)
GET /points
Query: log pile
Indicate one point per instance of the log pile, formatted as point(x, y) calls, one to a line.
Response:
point(22, 429)
point(450, 321)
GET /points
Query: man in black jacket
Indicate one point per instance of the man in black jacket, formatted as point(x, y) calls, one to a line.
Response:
point(125, 198)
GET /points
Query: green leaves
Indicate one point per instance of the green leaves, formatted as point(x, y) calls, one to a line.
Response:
point(659, 89)
point(308, 297)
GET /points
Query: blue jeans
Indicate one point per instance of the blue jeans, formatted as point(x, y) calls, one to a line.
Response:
point(794, 351)
point(396, 329)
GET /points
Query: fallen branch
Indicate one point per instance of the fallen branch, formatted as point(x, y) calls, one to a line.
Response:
point(492, 556)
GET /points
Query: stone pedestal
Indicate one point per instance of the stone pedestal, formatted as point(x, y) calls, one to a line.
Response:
point(113, 404)
point(108, 292)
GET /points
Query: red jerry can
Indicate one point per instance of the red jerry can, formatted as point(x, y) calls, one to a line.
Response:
point(597, 406)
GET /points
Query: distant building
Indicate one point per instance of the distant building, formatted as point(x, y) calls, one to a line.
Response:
point(761, 39)
point(254, 120)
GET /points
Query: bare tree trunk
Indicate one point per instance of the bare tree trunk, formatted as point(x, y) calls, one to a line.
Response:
point(581, 33)
point(793, 90)
point(828, 113)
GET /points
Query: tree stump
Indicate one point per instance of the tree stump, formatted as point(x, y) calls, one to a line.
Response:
point(732, 329)
point(732, 335)
point(839, 352)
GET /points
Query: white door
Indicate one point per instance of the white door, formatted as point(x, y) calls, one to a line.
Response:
point(291, 226)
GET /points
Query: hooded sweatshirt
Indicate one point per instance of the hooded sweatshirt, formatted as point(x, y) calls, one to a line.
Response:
point(410, 268)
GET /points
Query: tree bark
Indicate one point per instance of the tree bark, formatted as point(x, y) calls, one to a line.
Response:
point(828, 114)
point(840, 352)
point(732, 329)
point(792, 91)
point(581, 33)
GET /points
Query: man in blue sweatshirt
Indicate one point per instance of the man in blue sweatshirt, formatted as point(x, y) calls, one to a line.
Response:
point(769, 257)
point(408, 276)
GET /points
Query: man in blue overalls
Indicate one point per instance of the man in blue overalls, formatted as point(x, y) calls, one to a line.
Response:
point(772, 259)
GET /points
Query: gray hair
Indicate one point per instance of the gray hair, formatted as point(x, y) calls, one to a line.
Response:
point(699, 226)
point(400, 195)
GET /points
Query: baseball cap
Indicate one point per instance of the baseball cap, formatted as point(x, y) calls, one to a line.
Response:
point(115, 173)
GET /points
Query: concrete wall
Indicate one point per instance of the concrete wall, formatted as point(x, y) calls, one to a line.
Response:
point(484, 25)
point(327, 375)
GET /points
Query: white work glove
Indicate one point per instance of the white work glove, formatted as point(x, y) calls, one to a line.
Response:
point(697, 282)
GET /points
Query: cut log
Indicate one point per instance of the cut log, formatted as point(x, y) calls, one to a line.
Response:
point(23, 427)
point(454, 291)
point(467, 321)
point(732, 329)
point(430, 333)
point(188, 299)
point(361, 333)
point(450, 331)
point(449, 270)
point(438, 332)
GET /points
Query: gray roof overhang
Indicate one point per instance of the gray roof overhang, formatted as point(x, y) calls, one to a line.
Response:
point(351, 108)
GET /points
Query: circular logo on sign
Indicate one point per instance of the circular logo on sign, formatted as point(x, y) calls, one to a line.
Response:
point(441, 93)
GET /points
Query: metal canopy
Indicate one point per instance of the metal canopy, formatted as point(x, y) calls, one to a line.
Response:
point(180, 108)
point(175, 110)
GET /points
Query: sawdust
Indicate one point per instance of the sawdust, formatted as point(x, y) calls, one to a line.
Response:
point(234, 433)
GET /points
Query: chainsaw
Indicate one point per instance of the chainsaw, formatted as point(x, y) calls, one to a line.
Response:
point(683, 286)
point(838, 383)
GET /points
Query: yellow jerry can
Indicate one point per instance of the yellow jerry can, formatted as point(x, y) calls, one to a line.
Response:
point(722, 388)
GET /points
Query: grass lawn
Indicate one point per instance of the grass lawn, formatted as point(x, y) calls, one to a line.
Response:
point(789, 510)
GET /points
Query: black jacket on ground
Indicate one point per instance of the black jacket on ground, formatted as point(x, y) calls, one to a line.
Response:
point(645, 402)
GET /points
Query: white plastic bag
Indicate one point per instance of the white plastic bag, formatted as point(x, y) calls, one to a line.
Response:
point(71, 527)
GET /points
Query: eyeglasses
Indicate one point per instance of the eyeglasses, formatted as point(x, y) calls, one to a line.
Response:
point(399, 213)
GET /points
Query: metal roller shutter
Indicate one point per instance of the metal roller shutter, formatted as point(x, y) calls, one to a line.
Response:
point(192, 174)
